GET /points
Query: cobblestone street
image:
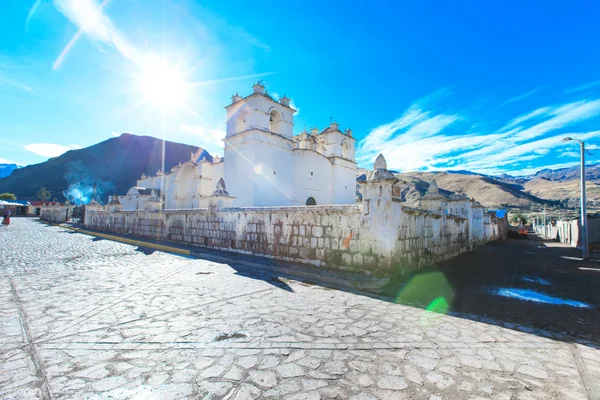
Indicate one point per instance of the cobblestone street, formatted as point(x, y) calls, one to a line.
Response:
point(82, 317)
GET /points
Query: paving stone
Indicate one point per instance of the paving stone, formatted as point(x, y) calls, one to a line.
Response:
point(392, 382)
point(235, 374)
point(333, 393)
point(283, 389)
point(247, 392)
point(312, 384)
point(247, 362)
point(269, 362)
point(264, 378)
point(109, 383)
point(335, 367)
point(101, 313)
point(412, 374)
point(290, 370)
point(440, 381)
point(158, 378)
point(532, 371)
point(363, 396)
point(214, 389)
point(309, 362)
point(305, 396)
point(424, 362)
point(365, 380)
point(213, 372)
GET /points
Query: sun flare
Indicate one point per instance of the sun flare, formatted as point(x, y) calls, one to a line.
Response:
point(163, 85)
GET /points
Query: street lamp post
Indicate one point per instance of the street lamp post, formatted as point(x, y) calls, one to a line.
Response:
point(584, 225)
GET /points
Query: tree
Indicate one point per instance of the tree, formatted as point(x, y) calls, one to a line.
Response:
point(43, 194)
point(7, 196)
point(519, 218)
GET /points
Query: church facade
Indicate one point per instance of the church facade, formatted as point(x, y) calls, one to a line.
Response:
point(264, 164)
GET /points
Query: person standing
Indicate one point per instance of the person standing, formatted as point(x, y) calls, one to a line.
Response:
point(6, 219)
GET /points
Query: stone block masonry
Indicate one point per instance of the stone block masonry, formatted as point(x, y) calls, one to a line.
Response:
point(379, 235)
point(332, 236)
point(56, 213)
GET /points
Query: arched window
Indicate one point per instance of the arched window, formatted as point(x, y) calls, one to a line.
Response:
point(275, 121)
point(311, 201)
point(322, 146)
point(346, 150)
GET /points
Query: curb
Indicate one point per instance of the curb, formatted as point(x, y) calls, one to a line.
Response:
point(283, 272)
point(160, 247)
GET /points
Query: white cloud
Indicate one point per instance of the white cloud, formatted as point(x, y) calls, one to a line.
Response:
point(88, 16)
point(521, 97)
point(542, 151)
point(406, 134)
point(527, 117)
point(50, 149)
point(5, 161)
point(562, 116)
point(583, 87)
point(571, 154)
point(425, 137)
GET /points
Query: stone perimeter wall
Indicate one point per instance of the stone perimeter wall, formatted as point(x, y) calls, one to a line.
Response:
point(56, 214)
point(397, 241)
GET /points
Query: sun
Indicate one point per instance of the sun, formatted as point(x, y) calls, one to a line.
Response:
point(163, 85)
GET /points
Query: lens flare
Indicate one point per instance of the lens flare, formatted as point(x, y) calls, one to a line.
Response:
point(163, 85)
point(429, 290)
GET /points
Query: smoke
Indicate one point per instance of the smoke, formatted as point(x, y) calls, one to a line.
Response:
point(81, 185)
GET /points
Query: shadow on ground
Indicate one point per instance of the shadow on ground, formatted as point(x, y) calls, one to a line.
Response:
point(535, 286)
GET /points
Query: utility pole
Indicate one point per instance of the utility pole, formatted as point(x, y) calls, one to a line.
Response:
point(584, 224)
point(544, 222)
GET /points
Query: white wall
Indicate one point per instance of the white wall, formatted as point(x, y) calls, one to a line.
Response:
point(133, 202)
point(343, 182)
point(258, 169)
point(312, 178)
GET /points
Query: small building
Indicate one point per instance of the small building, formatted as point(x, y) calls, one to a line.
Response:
point(569, 231)
point(17, 208)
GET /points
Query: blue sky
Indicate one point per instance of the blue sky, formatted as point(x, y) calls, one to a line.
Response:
point(490, 87)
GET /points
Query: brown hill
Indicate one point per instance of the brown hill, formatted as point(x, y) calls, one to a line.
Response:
point(567, 192)
point(488, 191)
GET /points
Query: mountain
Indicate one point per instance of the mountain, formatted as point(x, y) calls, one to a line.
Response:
point(592, 173)
point(113, 165)
point(566, 191)
point(7, 169)
point(488, 191)
point(545, 188)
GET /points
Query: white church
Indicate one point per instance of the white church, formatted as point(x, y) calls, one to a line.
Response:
point(264, 164)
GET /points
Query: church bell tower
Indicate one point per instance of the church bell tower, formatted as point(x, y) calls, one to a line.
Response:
point(258, 149)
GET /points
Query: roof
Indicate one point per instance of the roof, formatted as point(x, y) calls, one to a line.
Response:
point(14, 203)
point(146, 191)
point(499, 213)
point(204, 155)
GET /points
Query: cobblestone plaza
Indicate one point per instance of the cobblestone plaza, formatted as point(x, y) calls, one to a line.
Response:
point(84, 318)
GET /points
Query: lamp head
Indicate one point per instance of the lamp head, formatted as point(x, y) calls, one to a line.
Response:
point(567, 139)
